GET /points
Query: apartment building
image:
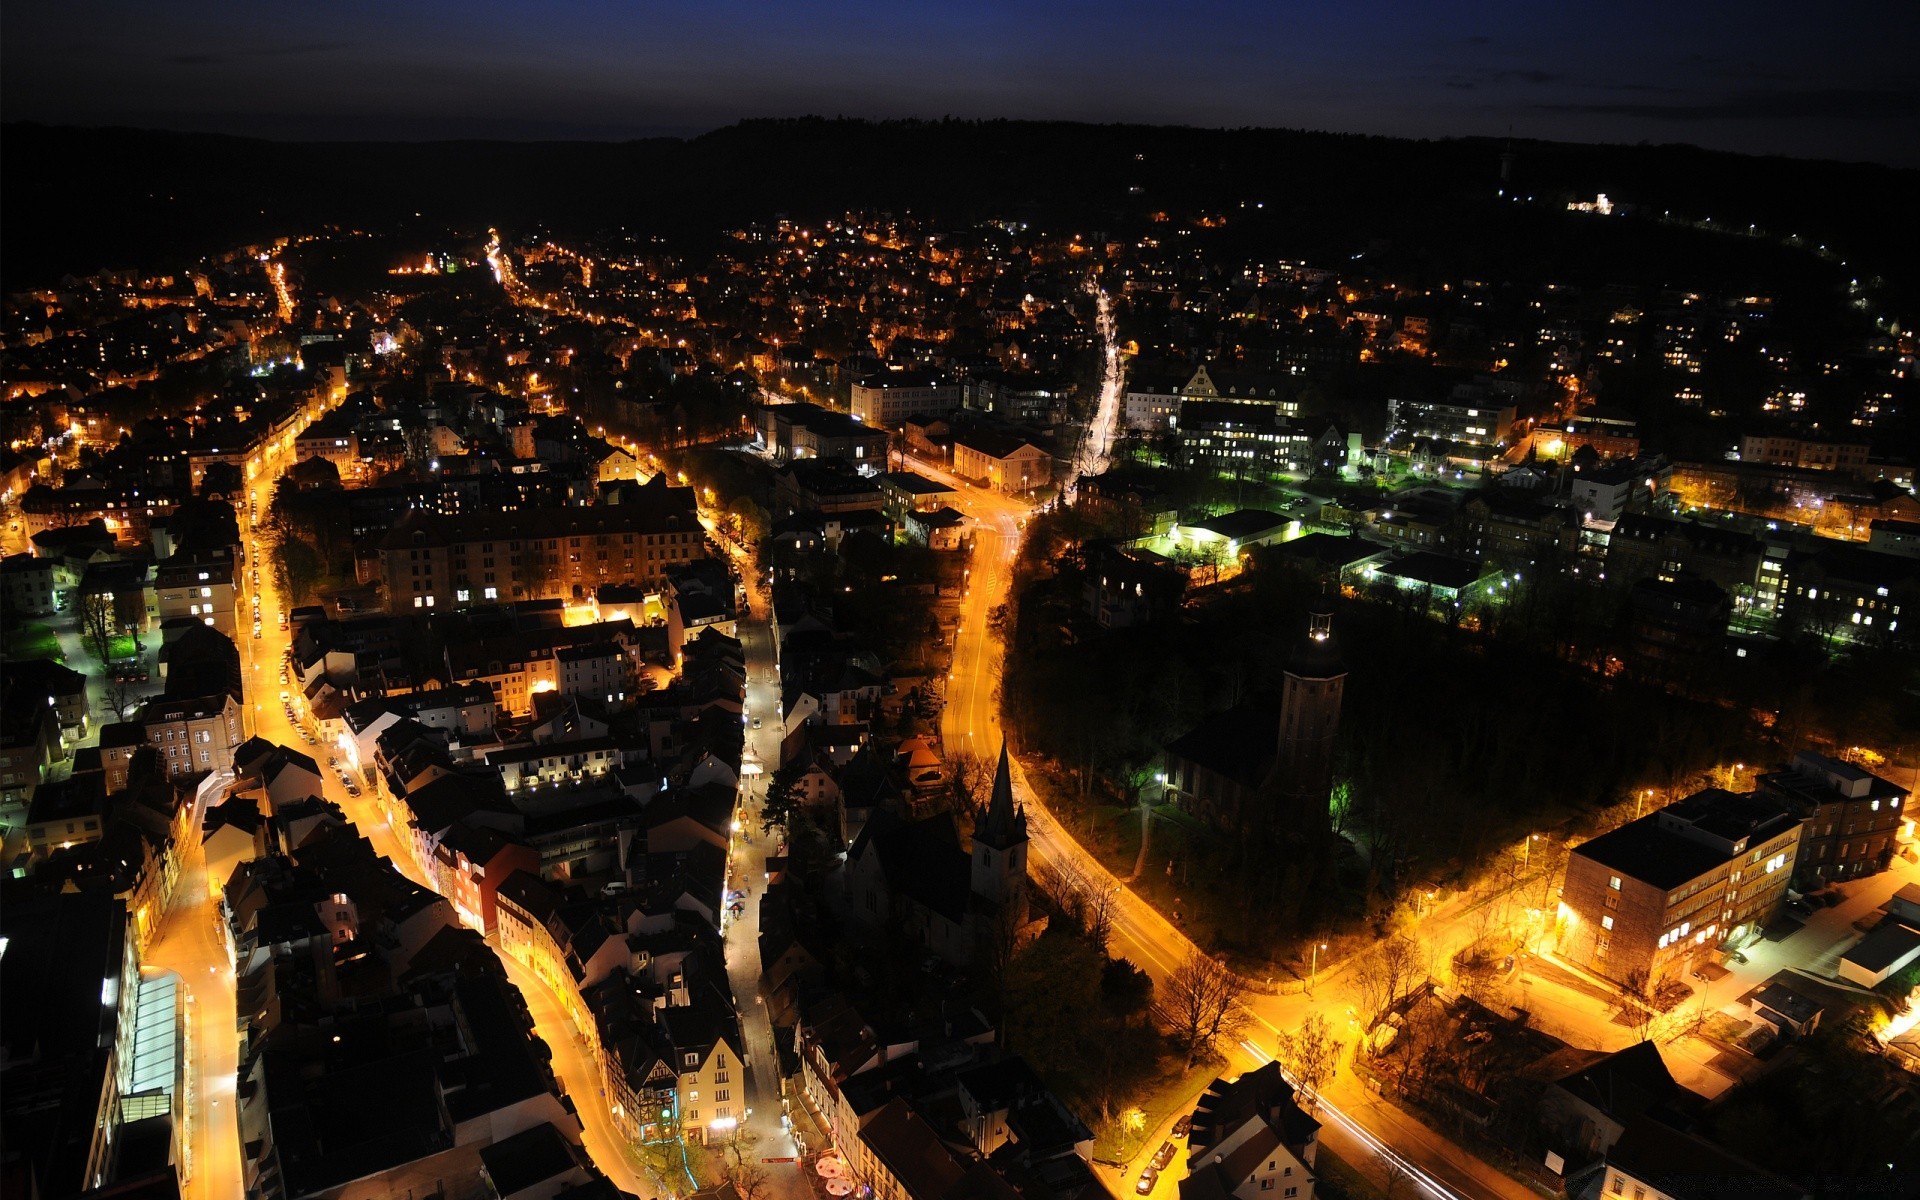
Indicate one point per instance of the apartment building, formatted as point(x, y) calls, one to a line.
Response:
point(1852, 816)
point(200, 591)
point(1657, 895)
point(432, 561)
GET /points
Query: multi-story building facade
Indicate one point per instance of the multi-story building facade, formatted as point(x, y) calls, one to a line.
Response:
point(432, 561)
point(1241, 438)
point(890, 397)
point(200, 591)
point(1656, 895)
point(1006, 462)
point(1852, 816)
point(1813, 453)
point(1461, 418)
point(197, 735)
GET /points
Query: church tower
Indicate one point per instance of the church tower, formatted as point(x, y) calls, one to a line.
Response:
point(1000, 846)
point(1310, 695)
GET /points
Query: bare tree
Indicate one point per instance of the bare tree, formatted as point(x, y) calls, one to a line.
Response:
point(1396, 1175)
point(741, 1162)
point(98, 624)
point(1311, 1056)
point(1203, 1001)
point(1386, 975)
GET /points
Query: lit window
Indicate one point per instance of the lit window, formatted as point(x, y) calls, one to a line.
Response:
point(1613, 881)
point(1606, 922)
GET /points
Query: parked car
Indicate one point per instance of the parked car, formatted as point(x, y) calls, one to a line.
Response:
point(1163, 1156)
point(1183, 1126)
point(1148, 1178)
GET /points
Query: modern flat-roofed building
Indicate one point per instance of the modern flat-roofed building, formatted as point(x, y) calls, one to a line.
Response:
point(890, 397)
point(1657, 895)
point(1852, 816)
point(1462, 418)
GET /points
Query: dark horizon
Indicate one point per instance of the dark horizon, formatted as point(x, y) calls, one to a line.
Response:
point(1782, 80)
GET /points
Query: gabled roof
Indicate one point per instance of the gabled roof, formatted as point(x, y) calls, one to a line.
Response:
point(1625, 1083)
point(921, 860)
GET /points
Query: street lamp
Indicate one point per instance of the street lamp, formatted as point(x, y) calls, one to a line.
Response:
point(1314, 972)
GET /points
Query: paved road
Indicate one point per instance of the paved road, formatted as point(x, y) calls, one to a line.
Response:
point(190, 944)
point(1371, 1136)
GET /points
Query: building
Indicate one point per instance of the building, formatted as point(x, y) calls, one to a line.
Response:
point(432, 561)
point(887, 399)
point(70, 996)
point(1445, 581)
point(1465, 417)
point(789, 431)
point(191, 737)
point(1249, 771)
point(909, 491)
point(1589, 1097)
point(199, 591)
point(1654, 1161)
point(1852, 816)
point(1253, 441)
point(1841, 589)
point(1230, 535)
point(1124, 587)
point(1816, 454)
point(1883, 537)
point(1653, 898)
point(1005, 462)
point(28, 584)
point(1250, 1140)
point(1643, 546)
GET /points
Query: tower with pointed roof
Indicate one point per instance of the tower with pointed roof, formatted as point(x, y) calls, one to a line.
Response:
point(1000, 845)
point(1310, 695)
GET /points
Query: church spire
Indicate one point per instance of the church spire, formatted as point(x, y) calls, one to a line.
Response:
point(1003, 824)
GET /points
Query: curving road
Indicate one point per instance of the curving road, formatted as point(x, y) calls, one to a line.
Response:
point(1379, 1140)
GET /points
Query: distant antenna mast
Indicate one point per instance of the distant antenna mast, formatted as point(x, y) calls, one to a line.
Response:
point(1506, 162)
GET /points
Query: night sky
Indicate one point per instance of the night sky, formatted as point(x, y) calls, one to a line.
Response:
point(1836, 80)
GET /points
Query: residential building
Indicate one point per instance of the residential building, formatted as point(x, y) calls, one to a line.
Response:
point(28, 584)
point(201, 591)
point(1653, 898)
point(191, 737)
point(1654, 1161)
point(1251, 1141)
point(433, 562)
point(909, 491)
point(1466, 417)
point(1852, 816)
point(1642, 546)
point(1816, 454)
point(1124, 587)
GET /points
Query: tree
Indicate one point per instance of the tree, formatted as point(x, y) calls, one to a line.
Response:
point(786, 794)
point(1125, 990)
point(1311, 1056)
point(97, 624)
point(1203, 1001)
point(741, 1164)
point(1385, 975)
